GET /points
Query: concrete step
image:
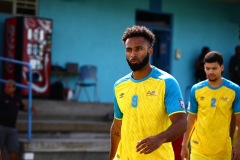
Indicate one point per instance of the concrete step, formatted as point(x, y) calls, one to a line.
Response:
point(63, 130)
point(52, 109)
point(72, 146)
point(70, 135)
point(72, 142)
point(38, 116)
point(71, 156)
point(70, 107)
point(64, 126)
point(66, 145)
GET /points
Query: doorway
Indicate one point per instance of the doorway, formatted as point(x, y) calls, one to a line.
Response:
point(161, 50)
point(161, 25)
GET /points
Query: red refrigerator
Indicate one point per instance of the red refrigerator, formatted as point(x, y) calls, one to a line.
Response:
point(29, 39)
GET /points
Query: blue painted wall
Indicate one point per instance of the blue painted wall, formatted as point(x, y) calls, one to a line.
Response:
point(198, 24)
point(90, 31)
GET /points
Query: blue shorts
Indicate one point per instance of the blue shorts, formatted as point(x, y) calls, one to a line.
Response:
point(9, 139)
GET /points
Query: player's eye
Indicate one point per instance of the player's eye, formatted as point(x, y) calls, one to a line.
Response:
point(138, 49)
point(207, 68)
point(128, 50)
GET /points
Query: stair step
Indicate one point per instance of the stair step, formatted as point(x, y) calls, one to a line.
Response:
point(66, 145)
point(59, 135)
point(67, 130)
point(64, 126)
point(50, 107)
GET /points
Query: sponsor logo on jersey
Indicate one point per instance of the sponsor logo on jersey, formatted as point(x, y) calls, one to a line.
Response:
point(225, 99)
point(152, 93)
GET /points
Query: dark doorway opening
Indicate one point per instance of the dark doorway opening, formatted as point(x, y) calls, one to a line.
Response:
point(161, 25)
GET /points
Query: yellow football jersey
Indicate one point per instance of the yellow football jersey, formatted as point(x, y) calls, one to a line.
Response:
point(214, 108)
point(144, 107)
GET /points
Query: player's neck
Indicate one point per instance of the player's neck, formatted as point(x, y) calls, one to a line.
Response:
point(216, 83)
point(142, 73)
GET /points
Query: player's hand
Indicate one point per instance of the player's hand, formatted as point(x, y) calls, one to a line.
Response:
point(148, 145)
point(236, 152)
point(185, 153)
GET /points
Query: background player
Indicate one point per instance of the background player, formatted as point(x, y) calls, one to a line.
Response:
point(212, 103)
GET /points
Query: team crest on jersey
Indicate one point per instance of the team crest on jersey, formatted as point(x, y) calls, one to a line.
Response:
point(181, 103)
point(152, 93)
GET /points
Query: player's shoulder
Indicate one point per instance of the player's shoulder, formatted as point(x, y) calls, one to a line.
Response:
point(230, 84)
point(123, 79)
point(168, 79)
point(200, 85)
point(160, 74)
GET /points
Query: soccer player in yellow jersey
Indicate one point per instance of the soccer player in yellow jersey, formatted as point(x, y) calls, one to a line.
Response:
point(212, 103)
point(148, 107)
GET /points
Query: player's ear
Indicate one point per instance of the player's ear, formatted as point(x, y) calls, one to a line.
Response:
point(222, 68)
point(150, 51)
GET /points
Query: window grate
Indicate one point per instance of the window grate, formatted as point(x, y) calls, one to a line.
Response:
point(19, 7)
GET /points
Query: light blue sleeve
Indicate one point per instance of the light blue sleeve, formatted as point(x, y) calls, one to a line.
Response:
point(193, 103)
point(117, 112)
point(173, 97)
point(236, 103)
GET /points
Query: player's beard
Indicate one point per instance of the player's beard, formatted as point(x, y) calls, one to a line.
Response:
point(213, 78)
point(140, 65)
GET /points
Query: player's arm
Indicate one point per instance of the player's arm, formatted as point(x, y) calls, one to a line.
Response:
point(177, 128)
point(190, 126)
point(232, 126)
point(191, 120)
point(115, 135)
point(236, 149)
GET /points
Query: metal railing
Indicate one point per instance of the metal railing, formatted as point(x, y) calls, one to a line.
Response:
point(29, 87)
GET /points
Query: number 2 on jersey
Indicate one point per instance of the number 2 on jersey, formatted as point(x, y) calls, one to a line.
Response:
point(213, 103)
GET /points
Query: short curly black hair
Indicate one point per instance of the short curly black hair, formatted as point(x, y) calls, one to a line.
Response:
point(213, 56)
point(139, 31)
